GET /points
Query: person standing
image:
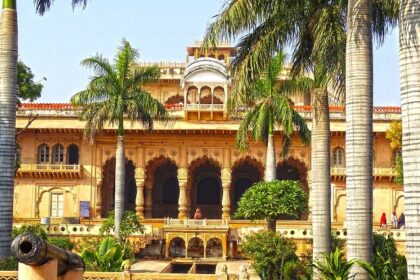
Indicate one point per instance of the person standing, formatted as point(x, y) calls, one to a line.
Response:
point(401, 221)
point(383, 220)
point(394, 220)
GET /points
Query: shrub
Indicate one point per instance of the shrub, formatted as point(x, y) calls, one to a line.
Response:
point(334, 266)
point(108, 256)
point(272, 255)
point(61, 242)
point(130, 224)
point(35, 229)
point(271, 200)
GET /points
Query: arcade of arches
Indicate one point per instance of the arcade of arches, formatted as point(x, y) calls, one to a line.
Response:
point(170, 191)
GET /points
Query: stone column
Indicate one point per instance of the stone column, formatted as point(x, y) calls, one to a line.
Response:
point(139, 194)
point(226, 181)
point(98, 206)
point(182, 200)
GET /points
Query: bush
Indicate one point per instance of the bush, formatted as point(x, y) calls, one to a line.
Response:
point(271, 200)
point(108, 256)
point(130, 224)
point(61, 242)
point(35, 229)
point(334, 266)
point(273, 256)
point(9, 264)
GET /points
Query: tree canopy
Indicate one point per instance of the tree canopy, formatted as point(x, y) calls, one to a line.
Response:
point(28, 89)
point(270, 200)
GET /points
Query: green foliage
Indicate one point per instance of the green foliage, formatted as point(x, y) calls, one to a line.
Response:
point(386, 259)
point(269, 105)
point(61, 242)
point(108, 256)
point(28, 90)
point(270, 200)
point(334, 266)
point(9, 264)
point(130, 224)
point(337, 243)
point(394, 135)
point(115, 93)
point(399, 179)
point(35, 229)
point(272, 255)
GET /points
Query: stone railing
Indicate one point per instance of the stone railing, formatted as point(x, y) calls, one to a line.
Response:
point(377, 171)
point(29, 167)
point(204, 107)
point(169, 222)
point(79, 229)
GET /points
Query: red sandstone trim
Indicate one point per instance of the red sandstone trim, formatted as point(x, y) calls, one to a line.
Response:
point(299, 108)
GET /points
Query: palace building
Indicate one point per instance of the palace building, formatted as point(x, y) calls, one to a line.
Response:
point(189, 163)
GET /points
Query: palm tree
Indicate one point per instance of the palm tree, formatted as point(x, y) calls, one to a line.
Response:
point(315, 30)
point(114, 93)
point(410, 101)
point(8, 90)
point(359, 131)
point(317, 49)
point(270, 106)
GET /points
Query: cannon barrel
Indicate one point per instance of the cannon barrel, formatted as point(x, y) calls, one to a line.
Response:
point(32, 250)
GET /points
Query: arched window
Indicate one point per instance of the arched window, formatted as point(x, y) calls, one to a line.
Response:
point(58, 154)
point(73, 154)
point(43, 154)
point(338, 157)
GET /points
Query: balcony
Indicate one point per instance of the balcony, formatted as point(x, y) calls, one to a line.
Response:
point(378, 172)
point(51, 171)
point(205, 107)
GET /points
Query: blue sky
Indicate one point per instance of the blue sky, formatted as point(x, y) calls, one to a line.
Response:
point(54, 45)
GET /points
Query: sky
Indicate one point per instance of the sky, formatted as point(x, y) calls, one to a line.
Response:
point(53, 45)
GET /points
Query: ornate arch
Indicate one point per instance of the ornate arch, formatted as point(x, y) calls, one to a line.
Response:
point(108, 185)
point(204, 173)
point(153, 164)
point(299, 166)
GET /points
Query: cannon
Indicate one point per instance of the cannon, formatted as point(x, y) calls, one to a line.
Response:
point(32, 250)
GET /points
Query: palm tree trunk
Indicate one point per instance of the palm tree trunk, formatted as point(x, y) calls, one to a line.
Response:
point(359, 95)
point(270, 161)
point(321, 178)
point(8, 87)
point(119, 184)
point(410, 100)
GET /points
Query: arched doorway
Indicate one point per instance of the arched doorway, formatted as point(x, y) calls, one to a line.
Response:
point(165, 190)
point(162, 191)
point(293, 169)
point(195, 248)
point(245, 173)
point(214, 248)
point(108, 187)
point(177, 247)
point(206, 188)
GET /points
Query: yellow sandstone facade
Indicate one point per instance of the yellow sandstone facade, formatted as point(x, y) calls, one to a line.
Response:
point(189, 163)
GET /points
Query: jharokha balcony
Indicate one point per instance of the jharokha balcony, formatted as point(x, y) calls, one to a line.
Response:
point(59, 171)
point(378, 172)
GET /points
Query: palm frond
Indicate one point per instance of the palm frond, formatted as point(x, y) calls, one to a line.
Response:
point(42, 6)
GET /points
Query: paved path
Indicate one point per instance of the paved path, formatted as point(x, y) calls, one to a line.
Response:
point(149, 266)
point(156, 266)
